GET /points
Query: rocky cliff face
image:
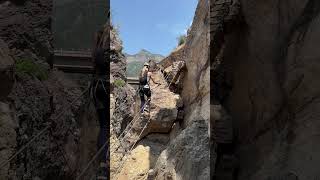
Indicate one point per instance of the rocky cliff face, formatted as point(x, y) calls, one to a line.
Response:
point(37, 98)
point(122, 94)
point(271, 63)
point(186, 156)
point(26, 27)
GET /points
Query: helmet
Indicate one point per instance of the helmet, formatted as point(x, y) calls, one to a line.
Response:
point(146, 64)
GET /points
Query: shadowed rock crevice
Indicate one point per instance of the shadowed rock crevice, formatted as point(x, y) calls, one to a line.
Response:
point(272, 64)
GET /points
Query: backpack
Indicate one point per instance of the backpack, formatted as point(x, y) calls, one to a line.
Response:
point(143, 79)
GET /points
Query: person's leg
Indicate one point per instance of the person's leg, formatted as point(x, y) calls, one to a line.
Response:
point(147, 92)
point(141, 93)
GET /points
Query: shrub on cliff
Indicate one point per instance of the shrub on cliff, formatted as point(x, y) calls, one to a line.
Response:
point(119, 83)
point(27, 66)
point(181, 39)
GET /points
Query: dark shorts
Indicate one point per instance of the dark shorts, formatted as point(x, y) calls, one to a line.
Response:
point(145, 91)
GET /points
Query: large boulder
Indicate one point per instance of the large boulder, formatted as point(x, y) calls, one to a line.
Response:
point(164, 106)
point(186, 157)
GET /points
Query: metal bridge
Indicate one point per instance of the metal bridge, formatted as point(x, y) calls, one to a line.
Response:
point(79, 62)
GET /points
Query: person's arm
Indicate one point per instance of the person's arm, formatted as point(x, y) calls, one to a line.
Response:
point(149, 74)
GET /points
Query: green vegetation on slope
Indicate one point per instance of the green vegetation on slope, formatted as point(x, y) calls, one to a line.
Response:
point(26, 66)
point(181, 39)
point(119, 83)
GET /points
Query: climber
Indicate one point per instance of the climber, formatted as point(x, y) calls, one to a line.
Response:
point(144, 86)
point(100, 94)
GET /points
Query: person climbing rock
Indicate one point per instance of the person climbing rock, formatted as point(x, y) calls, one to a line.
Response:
point(144, 87)
point(100, 94)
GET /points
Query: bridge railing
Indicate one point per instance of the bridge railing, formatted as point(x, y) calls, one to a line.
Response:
point(60, 52)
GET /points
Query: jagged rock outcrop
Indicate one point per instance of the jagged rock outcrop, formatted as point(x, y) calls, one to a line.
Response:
point(271, 63)
point(122, 92)
point(117, 59)
point(122, 99)
point(173, 68)
point(176, 55)
point(186, 156)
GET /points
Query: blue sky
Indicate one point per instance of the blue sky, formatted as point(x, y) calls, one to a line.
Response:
point(153, 25)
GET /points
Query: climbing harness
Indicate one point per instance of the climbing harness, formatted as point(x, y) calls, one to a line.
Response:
point(42, 131)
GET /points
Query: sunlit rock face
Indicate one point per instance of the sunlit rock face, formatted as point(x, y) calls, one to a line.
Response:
point(187, 154)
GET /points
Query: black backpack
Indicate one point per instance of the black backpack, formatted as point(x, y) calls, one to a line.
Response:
point(143, 79)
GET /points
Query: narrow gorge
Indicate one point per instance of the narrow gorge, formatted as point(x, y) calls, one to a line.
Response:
point(171, 141)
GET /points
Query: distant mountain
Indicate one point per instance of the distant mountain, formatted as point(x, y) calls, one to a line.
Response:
point(135, 62)
point(143, 56)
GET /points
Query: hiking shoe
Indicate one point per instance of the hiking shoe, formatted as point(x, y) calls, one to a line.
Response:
point(146, 109)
